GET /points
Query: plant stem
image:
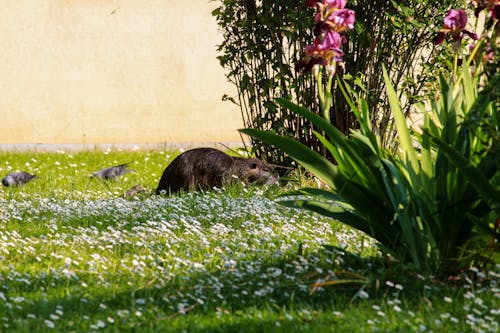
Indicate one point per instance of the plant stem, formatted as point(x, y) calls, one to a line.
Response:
point(324, 95)
point(321, 93)
point(328, 99)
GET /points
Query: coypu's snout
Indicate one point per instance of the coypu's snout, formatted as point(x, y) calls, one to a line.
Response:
point(261, 173)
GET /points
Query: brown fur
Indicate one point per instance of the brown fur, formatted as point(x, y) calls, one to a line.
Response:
point(205, 168)
point(134, 191)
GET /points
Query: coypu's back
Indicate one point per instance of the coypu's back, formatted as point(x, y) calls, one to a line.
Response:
point(205, 168)
point(199, 168)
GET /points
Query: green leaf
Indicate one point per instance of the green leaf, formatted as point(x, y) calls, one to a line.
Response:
point(469, 88)
point(337, 136)
point(490, 194)
point(319, 193)
point(331, 210)
point(312, 161)
point(366, 202)
point(400, 199)
point(426, 160)
point(331, 148)
point(409, 153)
point(350, 156)
point(361, 115)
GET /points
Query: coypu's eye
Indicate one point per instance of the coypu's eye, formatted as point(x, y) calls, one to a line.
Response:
point(253, 166)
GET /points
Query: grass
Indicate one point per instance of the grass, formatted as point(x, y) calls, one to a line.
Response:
point(76, 256)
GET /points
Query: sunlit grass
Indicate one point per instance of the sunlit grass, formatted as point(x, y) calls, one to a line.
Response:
point(63, 174)
point(76, 256)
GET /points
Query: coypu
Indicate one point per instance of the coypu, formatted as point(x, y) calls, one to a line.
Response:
point(205, 168)
point(17, 178)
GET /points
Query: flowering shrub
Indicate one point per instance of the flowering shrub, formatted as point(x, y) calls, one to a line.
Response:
point(263, 40)
point(423, 204)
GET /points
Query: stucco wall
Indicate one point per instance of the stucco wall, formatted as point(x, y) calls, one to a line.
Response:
point(112, 71)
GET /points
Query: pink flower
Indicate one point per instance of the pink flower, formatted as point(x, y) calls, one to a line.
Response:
point(455, 20)
point(331, 21)
point(322, 52)
point(342, 20)
point(335, 4)
point(454, 24)
point(318, 17)
point(327, 7)
point(331, 41)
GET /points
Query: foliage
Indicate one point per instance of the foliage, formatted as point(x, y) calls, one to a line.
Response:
point(423, 203)
point(263, 40)
point(261, 43)
point(395, 34)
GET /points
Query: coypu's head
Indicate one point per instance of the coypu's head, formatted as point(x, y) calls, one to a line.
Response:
point(253, 170)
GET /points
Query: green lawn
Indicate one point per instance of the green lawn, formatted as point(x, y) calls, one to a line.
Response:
point(76, 256)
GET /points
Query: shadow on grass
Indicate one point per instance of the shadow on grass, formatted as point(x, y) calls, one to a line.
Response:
point(252, 296)
point(291, 293)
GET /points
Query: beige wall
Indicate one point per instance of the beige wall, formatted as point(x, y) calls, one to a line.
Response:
point(112, 71)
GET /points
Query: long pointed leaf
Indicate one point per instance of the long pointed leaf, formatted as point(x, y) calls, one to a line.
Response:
point(337, 138)
point(362, 173)
point(490, 194)
point(361, 197)
point(368, 203)
point(400, 201)
point(336, 212)
point(405, 141)
point(312, 161)
point(318, 193)
point(426, 161)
